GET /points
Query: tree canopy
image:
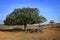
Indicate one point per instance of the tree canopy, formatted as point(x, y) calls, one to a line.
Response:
point(24, 16)
point(51, 22)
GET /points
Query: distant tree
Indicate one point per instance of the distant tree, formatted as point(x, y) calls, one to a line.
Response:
point(23, 16)
point(51, 22)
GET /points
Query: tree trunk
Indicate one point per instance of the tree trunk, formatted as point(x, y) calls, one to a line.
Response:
point(24, 27)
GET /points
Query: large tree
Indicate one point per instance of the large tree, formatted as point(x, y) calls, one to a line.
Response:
point(23, 16)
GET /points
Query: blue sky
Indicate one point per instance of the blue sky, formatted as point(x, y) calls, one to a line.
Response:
point(48, 8)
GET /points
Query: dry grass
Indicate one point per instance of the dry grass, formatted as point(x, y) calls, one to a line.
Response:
point(47, 34)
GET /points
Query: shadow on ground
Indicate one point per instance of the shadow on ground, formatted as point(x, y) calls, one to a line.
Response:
point(12, 30)
point(19, 29)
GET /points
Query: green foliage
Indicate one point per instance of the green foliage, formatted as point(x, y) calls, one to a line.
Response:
point(51, 21)
point(24, 16)
point(42, 19)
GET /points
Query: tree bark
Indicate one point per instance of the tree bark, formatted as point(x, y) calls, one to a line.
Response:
point(25, 27)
